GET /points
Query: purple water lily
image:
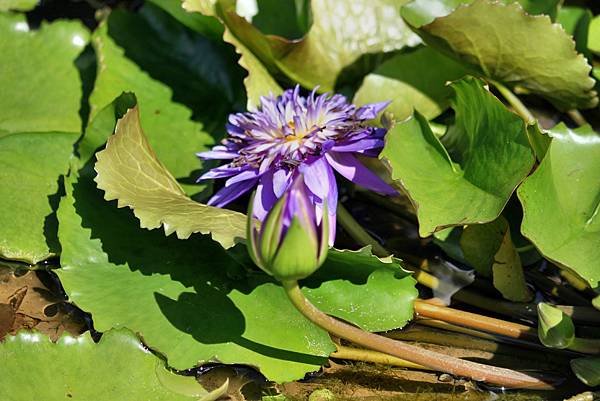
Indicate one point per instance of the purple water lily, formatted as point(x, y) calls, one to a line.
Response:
point(291, 135)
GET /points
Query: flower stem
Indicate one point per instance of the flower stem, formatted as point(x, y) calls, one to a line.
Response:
point(357, 232)
point(434, 360)
point(365, 355)
point(514, 101)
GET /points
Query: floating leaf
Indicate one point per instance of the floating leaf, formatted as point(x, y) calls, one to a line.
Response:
point(490, 157)
point(330, 46)
point(412, 81)
point(561, 202)
point(19, 5)
point(490, 250)
point(555, 328)
point(594, 36)
point(182, 297)
point(375, 294)
point(33, 106)
point(576, 22)
point(30, 167)
point(129, 171)
point(34, 101)
point(587, 370)
point(76, 368)
point(171, 133)
point(528, 52)
point(202, 73)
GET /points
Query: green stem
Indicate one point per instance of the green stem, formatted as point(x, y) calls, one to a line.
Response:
point(440, 362)
point(577, 117)
point(364, 355)
point(358, 233)
point(514, 101)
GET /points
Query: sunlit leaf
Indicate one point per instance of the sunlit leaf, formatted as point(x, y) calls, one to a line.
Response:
point(33, 99)
point(340, 33)
point(489, 157)
point(19, 5)
point(77, 368)
point(528, 52)
point(129, 171)
point(172, 134)
point(561, 202)
point(412, 81)
point(555, 328)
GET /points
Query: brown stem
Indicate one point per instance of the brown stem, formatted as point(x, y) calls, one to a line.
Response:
point(444, 363)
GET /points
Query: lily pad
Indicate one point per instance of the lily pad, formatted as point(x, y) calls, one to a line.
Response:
point(18, 5)
point(35, 111)
point(412, 81)
point(33, 101)
point(30, 167)
point(171, 132)
point(83, 370)
point(489, 156)
point(129, 171)
point(330, 46)
point(375, 294)
point(587, 370)
point(561, 202)
point(523, 51)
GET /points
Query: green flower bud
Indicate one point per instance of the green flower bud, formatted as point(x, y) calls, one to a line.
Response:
point(290, 244)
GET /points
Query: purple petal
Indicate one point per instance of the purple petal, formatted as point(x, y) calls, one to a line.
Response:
point(332, 221)
point(359, 146)
point(230, 193)
point(350, 167)
point(281, 181)
point(265, 197)
point(243, 176)
point(222, 172)
point(370, 111)
point(217, 154)
point(320, 180)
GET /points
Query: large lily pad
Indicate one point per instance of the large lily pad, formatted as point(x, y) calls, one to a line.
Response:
point(75, 368)
point(375, 294)
point(202, 73)
point(30, 167)
point(489, 157)
point(506, 44)
point(129, 171)
point(412, 81)
point(20, 5)
point(32, 107)
point(171, 132)
point(340, 33)
point(561, 202)
point(32, 100)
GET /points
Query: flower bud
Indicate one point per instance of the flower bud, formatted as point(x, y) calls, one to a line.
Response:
point(290, 244)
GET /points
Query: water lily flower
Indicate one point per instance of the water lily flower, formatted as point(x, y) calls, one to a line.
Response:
point(290, 244)
point(291, 135)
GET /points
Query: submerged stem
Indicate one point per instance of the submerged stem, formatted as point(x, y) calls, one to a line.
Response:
point(358, 233)
point(443, 363)
point(515, 102)
point(365, 355)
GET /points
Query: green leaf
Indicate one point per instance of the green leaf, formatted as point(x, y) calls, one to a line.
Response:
point(561, 202)
point(188, 299)
point(76, 368)
point(412, 81)
point(594, 36)
point(576, 22)
point(341, 32)
point(202, 73)
point(34, 100)
point(203, 24)
point(19, 5)
point(30, 167)
point(555, 328)
point(259, 82)
point(375, 294)
point(171, 133)
point(34, 106)
point(587, 370)
point(129, 171)
point(522, 51)
point(490, 157)
point(490, 250)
